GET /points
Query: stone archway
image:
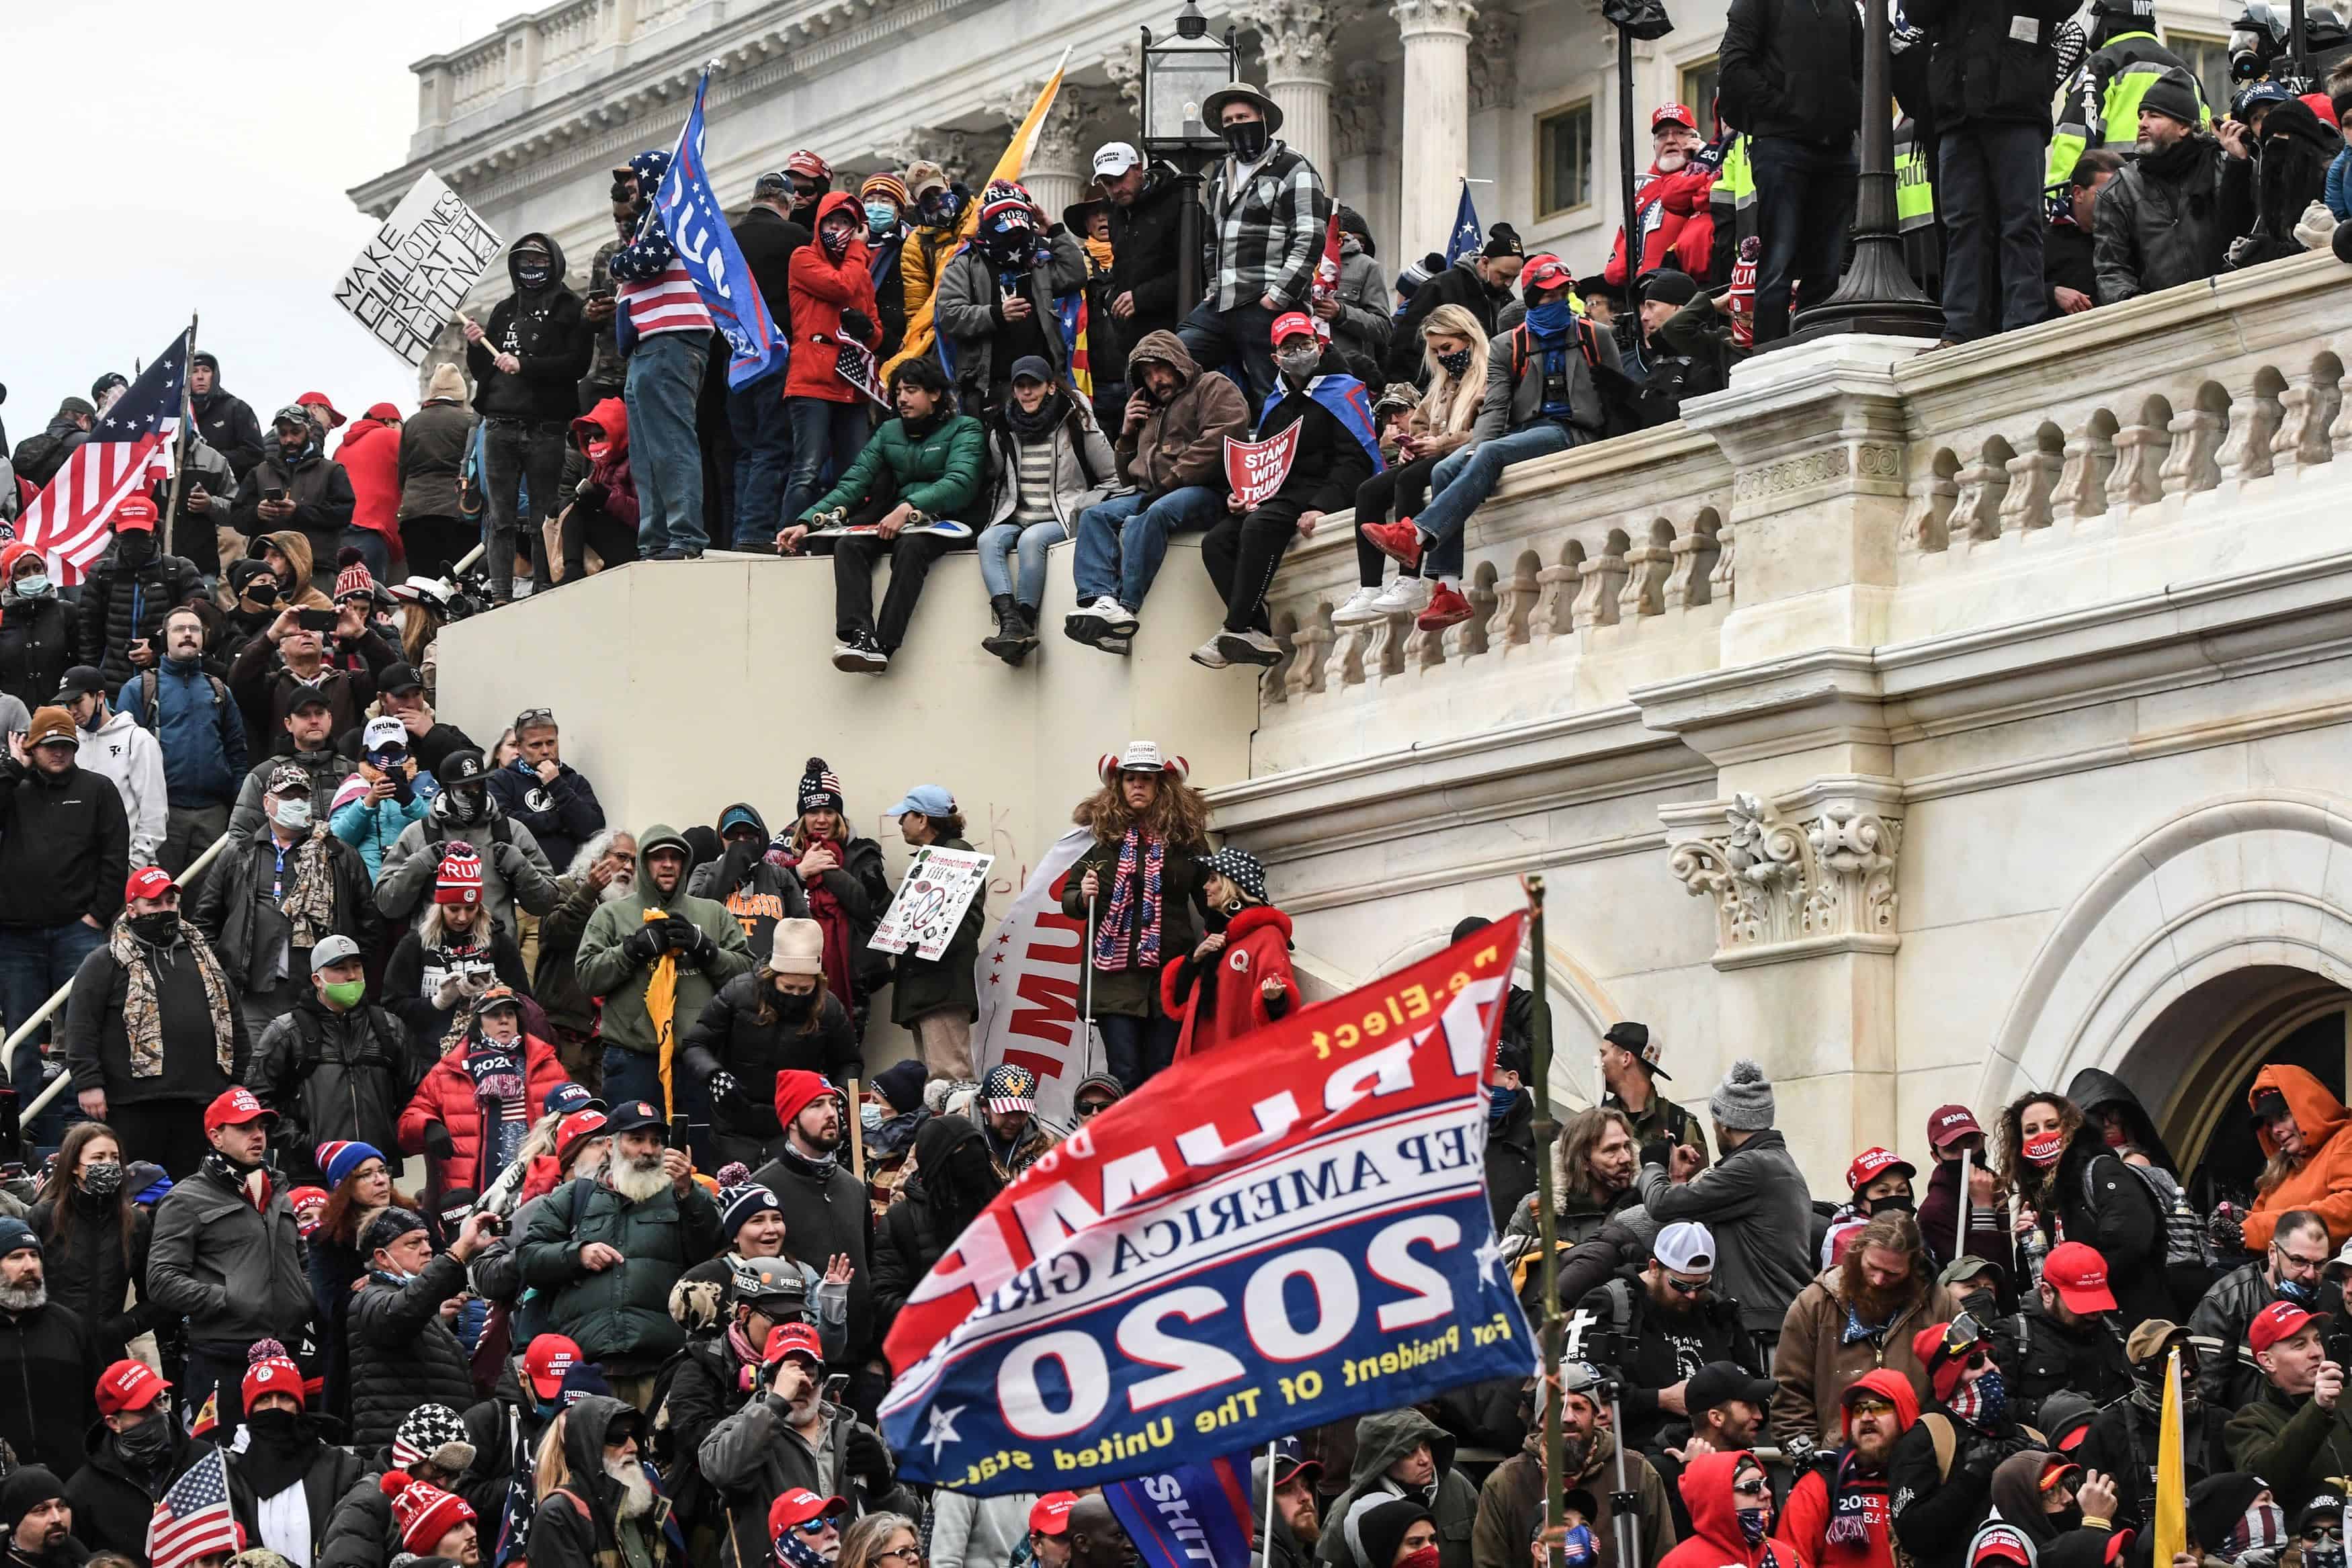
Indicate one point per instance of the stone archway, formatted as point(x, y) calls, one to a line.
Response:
point(2207, 938)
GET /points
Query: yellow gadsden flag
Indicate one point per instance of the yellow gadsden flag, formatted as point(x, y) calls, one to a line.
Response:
point(920, 333)
point(2171, 1489)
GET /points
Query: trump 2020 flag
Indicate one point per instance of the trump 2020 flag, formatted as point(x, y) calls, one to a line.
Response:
point(1467, 239)
point(1289, 1229)
point(1031, 993)
point(1187, 1515)
point(689, 212)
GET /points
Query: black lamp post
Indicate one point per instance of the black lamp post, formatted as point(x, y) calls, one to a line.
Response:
point(1877, 295)
point(1179, 74)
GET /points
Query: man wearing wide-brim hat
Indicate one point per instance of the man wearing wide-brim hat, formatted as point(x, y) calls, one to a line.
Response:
point(1267, 209)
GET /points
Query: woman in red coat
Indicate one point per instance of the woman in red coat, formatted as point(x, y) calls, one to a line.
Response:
point(1238, 979)
point(444, 1120)
point(832, 294)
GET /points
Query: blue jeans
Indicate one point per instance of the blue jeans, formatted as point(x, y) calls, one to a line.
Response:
point(1244, 335)
point(665, 378)
point(1804, 205)
point(823, 433)
point(374, 550)
point(1122, 541)
point(35, 960)
point(999, 541)
point(636, 1075)
point(764, 457)
point(1137, 1047)
point(1464, 478)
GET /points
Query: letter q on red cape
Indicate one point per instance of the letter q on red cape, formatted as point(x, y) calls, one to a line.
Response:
point(1289, 1229)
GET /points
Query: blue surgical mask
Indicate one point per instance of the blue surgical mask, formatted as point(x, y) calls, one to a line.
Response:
point(2295, 1291)
point(869, 1117)
point(33, 587)
point(879, 216)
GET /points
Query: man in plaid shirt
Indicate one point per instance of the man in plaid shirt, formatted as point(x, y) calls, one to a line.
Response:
point(1269, 208)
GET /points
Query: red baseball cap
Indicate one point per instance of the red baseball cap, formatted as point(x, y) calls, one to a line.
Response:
point(334, 416)
point(2280, 1320)
point(234, 1108)
point(1291, 324)
point(1050, 1514)
point(551, 1355)
point(128, 1386)
point(798, 1505)
point(134, 511)
point(1545, 271)
point(2079, 1275)
point(1948, 1124)
point(1672, 114)
point(791, 1339)
point(1872, 1164)
point(148, 882)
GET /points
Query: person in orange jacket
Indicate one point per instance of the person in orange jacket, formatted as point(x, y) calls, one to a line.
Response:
point(832, 299)
point(2310, 1168)
point(1238, 979)
point(1731, 1502)
point(1837, 1515)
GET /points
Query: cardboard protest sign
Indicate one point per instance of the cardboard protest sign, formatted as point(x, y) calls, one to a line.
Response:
point(409, 279)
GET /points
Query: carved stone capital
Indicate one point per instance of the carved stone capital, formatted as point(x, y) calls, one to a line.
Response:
point(1415, 18)
point(1124, 67)
point(1061, 138)
point(1808, 873)
point(957, 152)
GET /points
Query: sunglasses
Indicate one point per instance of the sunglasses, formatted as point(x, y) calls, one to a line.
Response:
point(2320, 1534)
point(534, 718)
point(1686, 1287)
point(817, 1526)
point(1870, 1407)
point(1753, 1487)
point(1093, 1107)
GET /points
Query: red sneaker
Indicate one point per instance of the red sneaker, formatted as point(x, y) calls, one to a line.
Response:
point(1400, 541)
point(1447, 608)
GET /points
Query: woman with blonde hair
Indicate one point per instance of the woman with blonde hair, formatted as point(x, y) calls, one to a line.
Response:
point(881, 1541)
point(1453, 360)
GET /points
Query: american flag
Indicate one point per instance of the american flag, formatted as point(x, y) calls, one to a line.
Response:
point(193, 1517)
point(130, 446)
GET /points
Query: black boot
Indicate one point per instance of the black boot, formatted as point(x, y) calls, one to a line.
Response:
point(1005, 643)
point(1028, 613)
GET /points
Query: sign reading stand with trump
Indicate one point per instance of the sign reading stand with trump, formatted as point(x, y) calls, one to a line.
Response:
point(1283, 1231)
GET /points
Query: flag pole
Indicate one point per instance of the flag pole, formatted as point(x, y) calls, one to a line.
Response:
point(180, 438)
point(1547, 1132)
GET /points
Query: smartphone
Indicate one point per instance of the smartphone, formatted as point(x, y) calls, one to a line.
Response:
point(835, 1386)
point(272, 492)
point(2339, 1349)
point(315, 620)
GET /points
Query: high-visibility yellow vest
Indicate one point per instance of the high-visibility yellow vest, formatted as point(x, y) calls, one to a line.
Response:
point(1914, 194)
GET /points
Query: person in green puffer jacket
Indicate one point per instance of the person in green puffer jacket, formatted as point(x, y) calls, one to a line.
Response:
point(915, 486)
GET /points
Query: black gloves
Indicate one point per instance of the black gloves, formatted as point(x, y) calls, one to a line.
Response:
point(1655, 1152)
point(858, 323)
point(869, 1460)
point(591, 493)
point(645, 944)
point(438, 1143)
point(690, 942)
point(721, 1085)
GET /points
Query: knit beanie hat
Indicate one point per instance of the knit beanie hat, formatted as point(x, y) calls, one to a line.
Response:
point(435, 1435)
point(2173, 94)
point(354, 581)
point(16, 1236)
point(269, 1370)
point(883, 182)
point(338, 1159)
point(460, 879)
point(820, 790)
point(902, 1084)
point(797, 948)
point(741, 1203)
point(1743, 1100)
point(27, 1489)
point(422, 1514)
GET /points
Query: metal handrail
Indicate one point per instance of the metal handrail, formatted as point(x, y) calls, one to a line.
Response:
point(24, 1031)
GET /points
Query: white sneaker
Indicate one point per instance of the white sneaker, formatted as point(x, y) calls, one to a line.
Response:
point(1251, 647)
point(1405, 596)
point(1209, 656)
point(1360, 608)
point(1114, 615)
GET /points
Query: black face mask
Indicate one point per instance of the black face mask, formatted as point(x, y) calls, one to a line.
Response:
point(276, 1428)
point(134, 548)
point(1247, 139)
point(159, 929)
point(794, 1009)
point(1896, 1203)
point(533, 272)
point(148, 1443)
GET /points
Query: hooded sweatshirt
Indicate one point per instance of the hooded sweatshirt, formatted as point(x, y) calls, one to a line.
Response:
point(578, 1525)
point(120, 750)
point(633, 1005)
point(2094, 1092)
point(1715, 1539)
point(1380, 1441)
point(2325, 1182)
point(1836, 1490)
point(544, 329)
point(370, 456)
point(609, 422)
point(821, 288)
point(1182, 440)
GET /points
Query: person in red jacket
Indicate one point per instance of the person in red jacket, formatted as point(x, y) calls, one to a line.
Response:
point(370, 455)
point(1670, 204)
point(445, 1121)
point(1238, 979)
point(833, 298)
point(1731, 1502)
point(602, 514)
point(1837, 1513)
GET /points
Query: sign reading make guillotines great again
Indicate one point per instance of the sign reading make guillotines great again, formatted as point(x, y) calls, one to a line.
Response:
point(1286, 1230)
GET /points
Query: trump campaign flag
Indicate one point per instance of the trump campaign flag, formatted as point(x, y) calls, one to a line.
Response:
point(1187, 1515)
point(689, 212)
point(1285, 1230)
point(1031, 990)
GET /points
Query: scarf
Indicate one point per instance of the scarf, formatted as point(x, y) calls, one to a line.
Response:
point(661, 1011)
point(2175, 159)
point(1099, 250)
point(278, 1448)
point(500, 1092)
point(142, 1014)
point(820, 1167)
point(1856, 1330)
point(1129, 937)
point(840, 940)
point(309, 903)
point(747, 1357)
point(1857, 1506)
point(895, 1135)
point(253, 1182)
point(1036, 426)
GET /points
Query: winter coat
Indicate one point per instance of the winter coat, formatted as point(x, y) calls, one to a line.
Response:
point(1510, 1505)
point(615, 484)
point(320, 490)
point(2292, 1444)
point(1515, 384)
point(546, 332)
point(96, 1043)
point(822, 288)
point(265, 686)
point(228, 424)
point(1084, 468)
point(939, 470)
point(433, 445)
point(1939, 1222)
point(1936, 1510)
point(1676, 226)
point(824, 1214)
point(120, 604)
point(130, 758)
point(2103, 1204)
point(240, 915)
point(370, 456)
point(1813, 1497)
point(1220, 1000)
point(619, 1315)
point(970, 309)
point(1792, 69)
point(1135, 992)
point(757, 891)
point(514, 868)
point(918, 1229)
point(1756, 1202)
point(234, 1273)
point(555, 978)
point(65, 846)
point(1145, 259)
point(1462, 284)
point(1981, 71)
point(606, 970)
point(36, 646)
point(561, 816)
point(728, 1036)
point(1666, 1348)
point(112, 1506)
point(446, 1096)
point(330, 1475)
point(2040, 1356)
point(332, 1077)
point(402, 1353)
point(1716, 1541)
point(2157, 222)
point(769, 241)
point(2226, 1372)
point(89, 1270)
point(413, 977)
point(50, 1363)
point(578, 1525)
point(1182, 440)
point(327, 767)
point(1814, 1363)
point(1511, 1160)
point(374, 829)
point(2121, 1444)
point(946, 984)
point(199, 726)
point(2324, 1183)
point(753, 1457)
point(1367, 314)
point(1382, 1440)
point(970, 1532)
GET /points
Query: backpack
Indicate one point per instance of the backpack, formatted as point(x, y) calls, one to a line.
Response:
point(1619, 396)
point(501, 831)
point(1946, 1439)
point(151, 713)
point(2189, 1265)
point(38, 459)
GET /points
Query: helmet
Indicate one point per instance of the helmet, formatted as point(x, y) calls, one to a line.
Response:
point(2323, 28)
point(2110, 18)
point(2256, 38)
point(753, 1281)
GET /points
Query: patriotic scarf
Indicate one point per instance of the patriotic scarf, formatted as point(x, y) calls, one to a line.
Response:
point(499, 1091)
point(1857, 1506)
point(1345, 399)
point(1130, 935)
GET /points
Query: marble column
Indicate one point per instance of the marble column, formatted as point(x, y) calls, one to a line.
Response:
point(1435, 151)
point(1294, 40)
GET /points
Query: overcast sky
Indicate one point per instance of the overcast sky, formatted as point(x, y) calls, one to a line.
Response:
point(173, 158)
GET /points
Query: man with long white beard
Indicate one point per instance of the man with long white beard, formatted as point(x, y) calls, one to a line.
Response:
point(50, 1349)
point(608, 1250)
point(606, 1501)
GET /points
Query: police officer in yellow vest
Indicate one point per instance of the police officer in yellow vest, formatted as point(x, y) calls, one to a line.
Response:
point(2103, 100)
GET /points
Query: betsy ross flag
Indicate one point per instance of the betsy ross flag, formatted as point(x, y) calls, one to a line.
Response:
point(130, 446)
point(193, 1517)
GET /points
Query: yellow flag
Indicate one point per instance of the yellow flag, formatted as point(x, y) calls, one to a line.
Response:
point(920, 331)
point(2171, 1489)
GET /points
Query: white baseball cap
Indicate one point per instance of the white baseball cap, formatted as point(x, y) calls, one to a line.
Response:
point(1113, 159)
point(1687, 1247)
